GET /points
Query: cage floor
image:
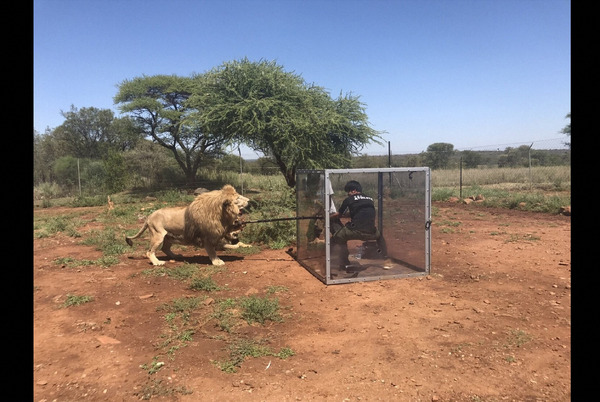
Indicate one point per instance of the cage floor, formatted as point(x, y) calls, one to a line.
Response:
point(373, 268)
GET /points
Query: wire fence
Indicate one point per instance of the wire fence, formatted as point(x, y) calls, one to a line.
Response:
point(524, 166)
point(538, 165)
point(543, 165)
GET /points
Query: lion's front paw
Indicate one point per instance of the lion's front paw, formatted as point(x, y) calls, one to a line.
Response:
point(218, 261)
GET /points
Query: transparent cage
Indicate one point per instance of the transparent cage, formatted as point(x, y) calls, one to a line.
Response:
point(402, 199)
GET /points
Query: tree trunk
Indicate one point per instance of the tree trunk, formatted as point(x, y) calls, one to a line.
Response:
point(290, 178)
point(289, 174)
point(190, 177)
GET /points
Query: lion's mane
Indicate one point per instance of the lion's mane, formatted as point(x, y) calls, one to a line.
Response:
point(211, 216)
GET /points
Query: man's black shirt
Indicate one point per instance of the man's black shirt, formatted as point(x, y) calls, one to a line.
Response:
point(362, 212)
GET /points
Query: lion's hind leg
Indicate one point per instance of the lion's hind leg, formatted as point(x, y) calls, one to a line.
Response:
point(156, 241)
point(166, 248)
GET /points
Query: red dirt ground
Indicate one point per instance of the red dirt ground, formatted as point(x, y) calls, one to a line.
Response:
point(492, 322)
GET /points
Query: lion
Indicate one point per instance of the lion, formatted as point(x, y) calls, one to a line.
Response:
point(211, 220)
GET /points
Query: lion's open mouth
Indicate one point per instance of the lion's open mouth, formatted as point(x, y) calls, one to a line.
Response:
point(241, 201)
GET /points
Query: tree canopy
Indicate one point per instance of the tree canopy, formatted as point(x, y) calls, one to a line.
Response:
point(90, 132)
point(277, 113)
point(438, 155)
point(159, 105)
point(259, 104)
point(471, 158)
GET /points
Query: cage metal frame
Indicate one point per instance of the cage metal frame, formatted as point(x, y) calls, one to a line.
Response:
point(328, 280)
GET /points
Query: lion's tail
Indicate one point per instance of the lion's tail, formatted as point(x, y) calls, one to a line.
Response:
point(129, 239)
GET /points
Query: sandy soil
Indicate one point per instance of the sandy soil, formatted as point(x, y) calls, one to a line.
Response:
point(492, 322)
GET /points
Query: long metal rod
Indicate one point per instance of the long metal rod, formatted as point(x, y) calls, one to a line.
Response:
point(284, 219)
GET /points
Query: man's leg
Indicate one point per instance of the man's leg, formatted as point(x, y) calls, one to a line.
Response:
point(335, 224)
point(339, 248)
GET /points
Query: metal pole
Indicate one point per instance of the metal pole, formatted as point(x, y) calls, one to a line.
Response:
point(529, 157)
point(241, 171)
point(380, 201)
point(78, 177)
point(282, 219)
point(460, 179)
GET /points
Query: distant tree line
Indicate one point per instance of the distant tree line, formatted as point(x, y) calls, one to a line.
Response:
point(443, 156)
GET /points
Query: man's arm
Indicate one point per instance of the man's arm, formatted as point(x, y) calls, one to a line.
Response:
point(342, 211)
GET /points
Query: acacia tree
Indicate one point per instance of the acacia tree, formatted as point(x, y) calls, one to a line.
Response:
point(278, 114)
point(159, 104)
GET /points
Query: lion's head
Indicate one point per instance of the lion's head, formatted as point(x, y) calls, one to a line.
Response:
point(213, 214)
point(233, 202)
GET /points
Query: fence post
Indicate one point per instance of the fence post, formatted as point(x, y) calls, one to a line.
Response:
point(241, 171)
point(78, 177)
point(530, 176)
point(460, 179)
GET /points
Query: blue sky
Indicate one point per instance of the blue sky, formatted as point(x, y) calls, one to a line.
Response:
point(473, 73)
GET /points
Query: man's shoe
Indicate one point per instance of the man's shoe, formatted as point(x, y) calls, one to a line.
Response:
point(354, 268)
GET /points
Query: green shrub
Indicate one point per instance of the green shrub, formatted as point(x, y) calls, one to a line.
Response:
point(174, 197)
point(181, 272)
point(242, 348)
point(442, 194)
point(260, 309)
point(268, 205)
point(73, 300)
point(106, 241)
point(66, 224)
point(206, 284)
point(88, 201)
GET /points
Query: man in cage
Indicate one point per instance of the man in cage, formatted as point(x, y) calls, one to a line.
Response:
point(361, 226)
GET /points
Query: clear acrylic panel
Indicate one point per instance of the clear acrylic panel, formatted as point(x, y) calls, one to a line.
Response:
point(310, 201)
